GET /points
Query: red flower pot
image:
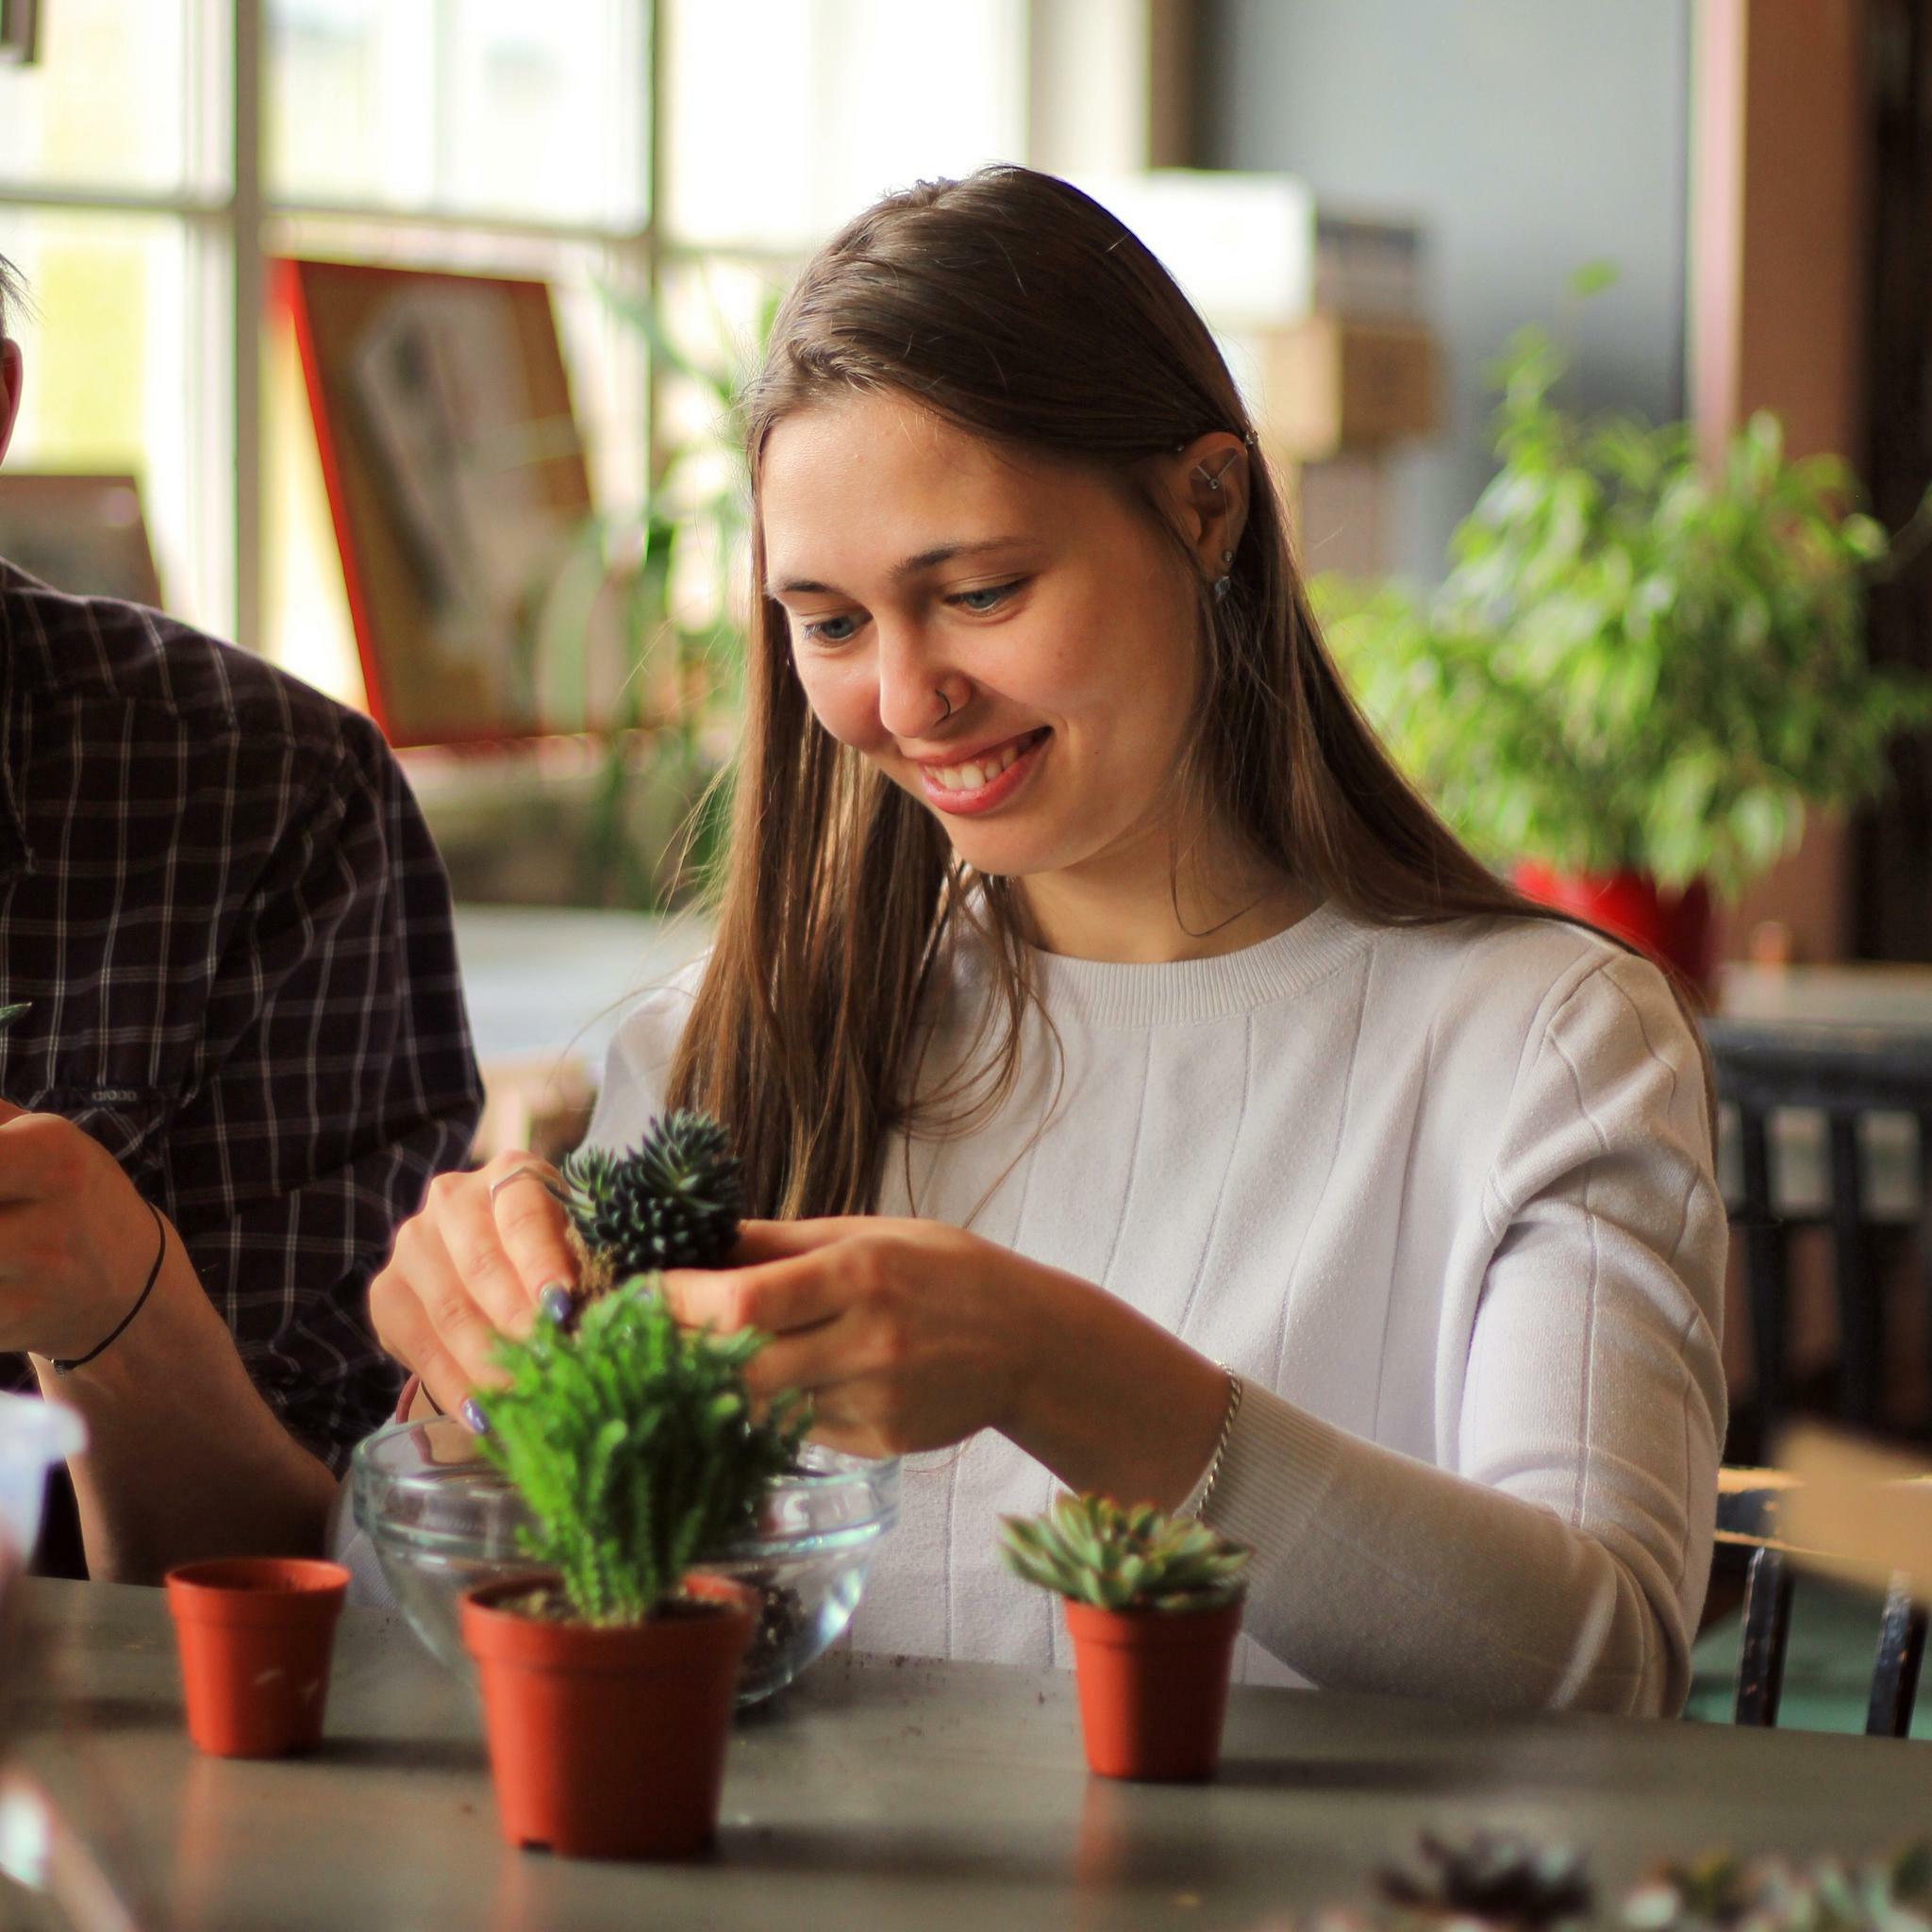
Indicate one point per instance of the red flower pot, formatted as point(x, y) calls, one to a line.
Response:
point(1676, 930)
point(254, 1635)
point(608, 1744)
point(1153, 1688)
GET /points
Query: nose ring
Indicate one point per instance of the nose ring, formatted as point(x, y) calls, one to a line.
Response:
point(945, 701)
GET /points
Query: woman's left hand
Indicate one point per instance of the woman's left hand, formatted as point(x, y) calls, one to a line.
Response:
point(905, 1335)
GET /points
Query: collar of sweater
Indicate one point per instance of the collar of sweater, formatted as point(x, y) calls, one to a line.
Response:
point(1101, 992)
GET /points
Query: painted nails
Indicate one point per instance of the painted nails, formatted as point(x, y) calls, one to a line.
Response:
point(474, 1419)
point(555, 1304)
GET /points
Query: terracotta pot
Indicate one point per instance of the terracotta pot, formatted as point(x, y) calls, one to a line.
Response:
point(1676, 930)
point(254, 1635)
point(608, 1744)
point(1153, 1688)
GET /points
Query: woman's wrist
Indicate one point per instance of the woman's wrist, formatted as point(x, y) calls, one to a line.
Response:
point(1110, 1399)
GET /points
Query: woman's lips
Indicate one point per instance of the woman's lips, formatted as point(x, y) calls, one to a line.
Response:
point(973, 800)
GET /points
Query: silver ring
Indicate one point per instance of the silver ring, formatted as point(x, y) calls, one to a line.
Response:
point(945, 701)
point(517, 1173)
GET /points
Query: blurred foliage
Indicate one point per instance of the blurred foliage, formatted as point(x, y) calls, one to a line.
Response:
point(637, 636)
point(1634, 663)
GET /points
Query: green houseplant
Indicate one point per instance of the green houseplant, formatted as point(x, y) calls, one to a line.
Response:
point(607, 1677)
point(1638, 673)
point(1153, 1604)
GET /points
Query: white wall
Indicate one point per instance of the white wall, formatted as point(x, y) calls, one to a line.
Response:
point(1529, 136)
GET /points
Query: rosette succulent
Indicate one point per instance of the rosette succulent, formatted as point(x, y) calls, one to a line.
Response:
point(1091, 1549)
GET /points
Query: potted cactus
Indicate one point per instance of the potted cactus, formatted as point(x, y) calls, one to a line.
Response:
point(608, 1677)
point(1153, 1604)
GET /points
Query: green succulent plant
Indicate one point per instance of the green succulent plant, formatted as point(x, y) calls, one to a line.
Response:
point(634, 1444)
point(674, 1201)
point(1490, 1879)
point(1721, 1894)
point(1091, 1549)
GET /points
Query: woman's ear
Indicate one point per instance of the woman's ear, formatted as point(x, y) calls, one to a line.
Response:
point(1206, 485)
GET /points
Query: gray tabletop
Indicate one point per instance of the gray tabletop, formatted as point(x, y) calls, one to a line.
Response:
point(886, 1792)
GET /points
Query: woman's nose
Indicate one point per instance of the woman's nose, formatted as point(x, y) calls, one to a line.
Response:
point(910, 703)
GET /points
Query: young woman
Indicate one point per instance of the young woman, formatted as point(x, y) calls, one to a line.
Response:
point(1139, 1088)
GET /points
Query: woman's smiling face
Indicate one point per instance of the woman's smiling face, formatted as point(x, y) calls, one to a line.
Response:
point(920, 565)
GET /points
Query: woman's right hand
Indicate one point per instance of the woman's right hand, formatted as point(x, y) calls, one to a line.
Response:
point(469, 1266)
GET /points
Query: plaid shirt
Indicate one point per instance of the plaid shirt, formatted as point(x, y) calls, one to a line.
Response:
point(222, 900)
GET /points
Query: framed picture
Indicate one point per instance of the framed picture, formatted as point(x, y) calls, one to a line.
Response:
point(78, 533)
point(455, 480)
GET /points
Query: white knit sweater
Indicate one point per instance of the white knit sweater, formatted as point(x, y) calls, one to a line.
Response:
point(1443, 1198)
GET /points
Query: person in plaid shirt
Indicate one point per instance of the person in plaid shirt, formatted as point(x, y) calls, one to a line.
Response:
point(244, 1056)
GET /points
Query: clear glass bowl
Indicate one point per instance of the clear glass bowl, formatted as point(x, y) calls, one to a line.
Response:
point(441, 1520)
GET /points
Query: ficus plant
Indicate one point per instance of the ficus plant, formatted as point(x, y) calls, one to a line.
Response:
point(635, 1446)
point(1634, 663)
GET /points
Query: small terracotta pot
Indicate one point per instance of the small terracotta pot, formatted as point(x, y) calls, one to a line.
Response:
point(254, 1635)
point(608, 1744)
point(1153, 1688)
point(1677, 929)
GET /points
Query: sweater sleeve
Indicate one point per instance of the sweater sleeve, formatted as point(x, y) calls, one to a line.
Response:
point(1560, 1560)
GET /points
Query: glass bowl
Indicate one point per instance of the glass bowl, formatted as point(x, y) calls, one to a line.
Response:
point(442, 1521)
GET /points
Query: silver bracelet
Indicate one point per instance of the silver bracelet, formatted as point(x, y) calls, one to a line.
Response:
point(1235, 1386)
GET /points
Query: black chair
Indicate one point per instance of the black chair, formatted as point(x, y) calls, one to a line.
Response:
point(1747, 1521)
point(1846, 1072)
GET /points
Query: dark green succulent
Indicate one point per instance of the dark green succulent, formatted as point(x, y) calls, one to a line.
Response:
point(1491, 1879)
point(674, 1201)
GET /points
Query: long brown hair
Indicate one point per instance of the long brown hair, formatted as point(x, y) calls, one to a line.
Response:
point(1014, 305)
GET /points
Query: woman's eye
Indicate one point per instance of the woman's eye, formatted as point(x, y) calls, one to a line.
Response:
point(990, 598)
point(830, 630)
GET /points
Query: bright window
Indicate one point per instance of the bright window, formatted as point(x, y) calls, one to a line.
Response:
point(491, 135)
point(830, 104)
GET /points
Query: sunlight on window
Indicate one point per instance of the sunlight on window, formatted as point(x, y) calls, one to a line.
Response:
point(783, 119)
point(490, 107)
point(487, 135)
point(304, 607)
point(108, 102)
point(107, 378)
